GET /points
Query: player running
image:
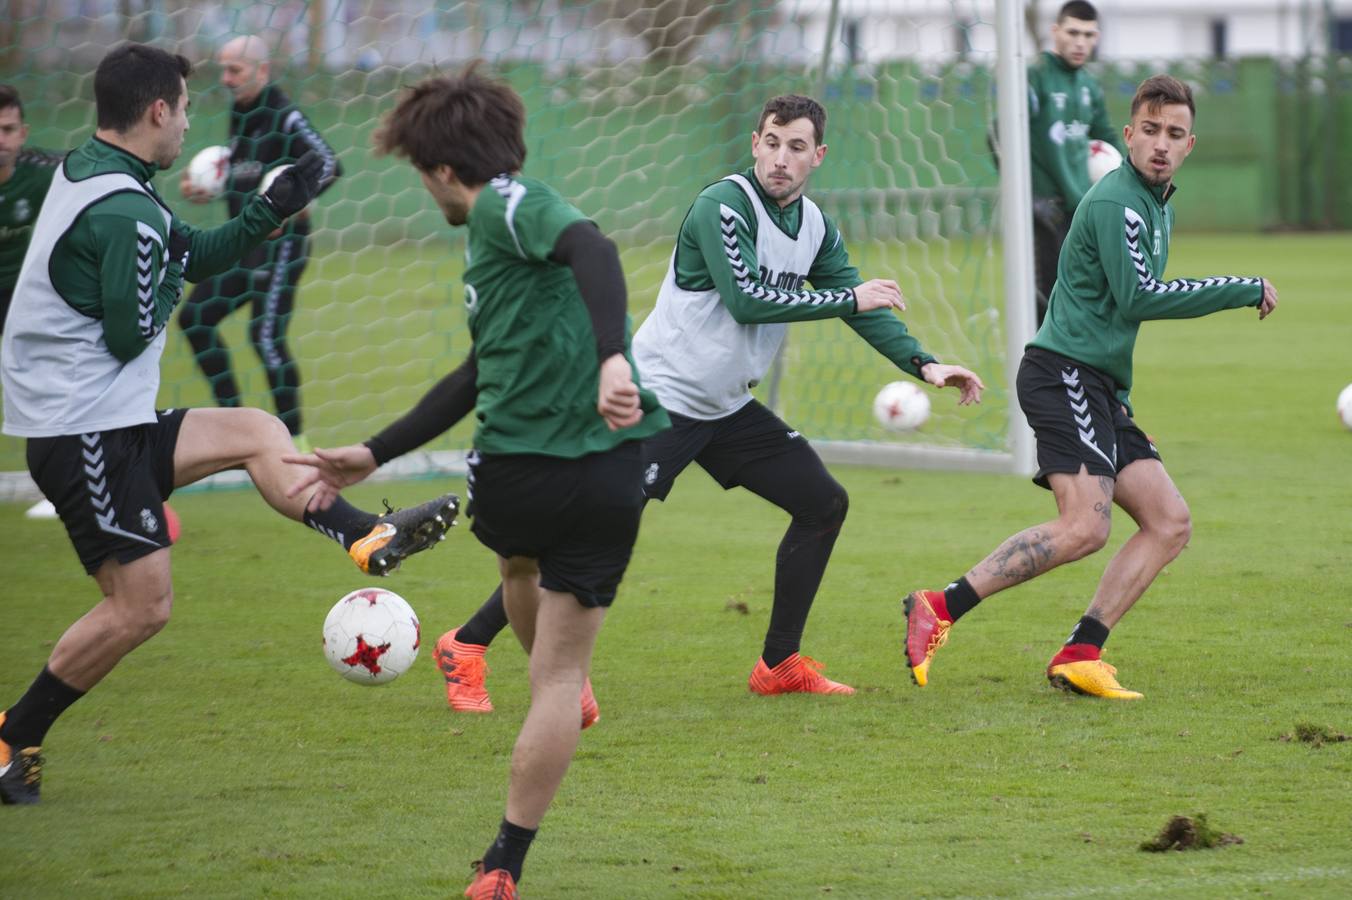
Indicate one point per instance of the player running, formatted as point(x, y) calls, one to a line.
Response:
point(1074, 385)
point(80, 367)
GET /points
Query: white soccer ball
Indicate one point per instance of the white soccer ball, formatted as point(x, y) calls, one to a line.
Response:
point(1103, 158)
point(1345, 406)
point(209, 170)
point(371, 636)
point(270, 176)
point(901, 406)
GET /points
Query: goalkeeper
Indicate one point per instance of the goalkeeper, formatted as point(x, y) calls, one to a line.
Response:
point(736, 278)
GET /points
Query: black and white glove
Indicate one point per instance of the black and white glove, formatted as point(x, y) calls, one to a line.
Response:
point(293, 190)
point(180, 245)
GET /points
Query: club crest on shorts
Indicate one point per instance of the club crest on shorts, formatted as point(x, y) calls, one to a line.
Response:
point(650, 474)
point(149, 524)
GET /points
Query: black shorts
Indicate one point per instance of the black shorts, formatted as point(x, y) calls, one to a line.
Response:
point(577, 517)
point(722, 447)
point(109, 487)
point(1076, 418)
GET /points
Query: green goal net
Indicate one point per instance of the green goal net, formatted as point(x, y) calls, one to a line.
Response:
point(632, 109)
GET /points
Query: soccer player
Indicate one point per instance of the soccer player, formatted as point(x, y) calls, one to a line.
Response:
point(556, 471)
point(80, 369)
point(1074, 385)
point(25, 176)
point(1065, 111)
point(747, 245)
point(266, 131)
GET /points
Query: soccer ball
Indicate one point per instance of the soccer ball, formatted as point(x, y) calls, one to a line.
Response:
point(1345, 406)
point(901, 406)
point(269, 177)
point(209, 169)
point(371, 636)
point(1103, 158)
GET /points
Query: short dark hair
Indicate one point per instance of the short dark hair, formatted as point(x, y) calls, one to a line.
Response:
point(471, 122)
point(788, 107)
point(9, 96)
point(1078, 9)
point(131, 78)
point(1162, 90)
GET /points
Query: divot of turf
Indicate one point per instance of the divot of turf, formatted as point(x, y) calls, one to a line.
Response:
point(1315, 735)
point(1184, 833)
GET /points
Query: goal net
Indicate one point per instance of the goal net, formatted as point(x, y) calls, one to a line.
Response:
point(633, 107)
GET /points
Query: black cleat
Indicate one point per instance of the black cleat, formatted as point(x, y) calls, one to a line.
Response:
point(20, 774)
point(402, 533)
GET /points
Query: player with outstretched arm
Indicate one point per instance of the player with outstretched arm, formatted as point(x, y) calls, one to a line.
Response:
point(1074, 385)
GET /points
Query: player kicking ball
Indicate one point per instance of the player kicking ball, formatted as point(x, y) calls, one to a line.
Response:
point(556, 469)
point(1074, 385)
point(80, 366)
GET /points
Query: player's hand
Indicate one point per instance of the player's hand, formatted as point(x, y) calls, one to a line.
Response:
point(180, 246)
point(879, 293)
point(297, 186)
point(190, 191)
point(965, 380)
point(617, 399)
point(329, 471)
point(1269, 302)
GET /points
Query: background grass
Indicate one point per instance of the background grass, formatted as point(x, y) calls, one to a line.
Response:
point(224, 758)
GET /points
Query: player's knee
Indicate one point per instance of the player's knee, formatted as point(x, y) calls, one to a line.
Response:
point(146, 619)
point(265, 429)
point(1175, 529)
point(1087, 534)
point(827, 509)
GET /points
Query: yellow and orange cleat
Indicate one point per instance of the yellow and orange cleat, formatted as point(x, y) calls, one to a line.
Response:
point(795, 675)
point(1091, 677)
point(926, 631)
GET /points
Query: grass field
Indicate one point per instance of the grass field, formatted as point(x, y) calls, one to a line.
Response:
point(225, 759)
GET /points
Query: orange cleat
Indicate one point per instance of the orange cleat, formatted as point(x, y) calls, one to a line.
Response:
point(795, 675)
point(926, 631)
point(20, 773)
point(495, 885)
point(591, 713)
point(464, 669)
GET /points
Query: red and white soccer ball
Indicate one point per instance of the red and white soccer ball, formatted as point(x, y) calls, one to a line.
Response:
point(371, 636)
point(1103, 158)
point(901, 406)
point(1345, 406)
point(209, 170)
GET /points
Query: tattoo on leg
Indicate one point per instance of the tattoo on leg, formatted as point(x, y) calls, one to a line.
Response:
point(1104, 507)
point(1026, 554)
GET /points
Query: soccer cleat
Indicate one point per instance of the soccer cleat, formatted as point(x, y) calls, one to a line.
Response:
point(20, 773)
point(400, 534)
point(926, 632)
point(1091, 677)
point(464, 669)
point(795, 675)
point(495, 885)
point(591, 713)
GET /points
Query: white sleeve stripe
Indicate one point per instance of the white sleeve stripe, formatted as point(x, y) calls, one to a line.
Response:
point(1148, 282)
point(747, 283)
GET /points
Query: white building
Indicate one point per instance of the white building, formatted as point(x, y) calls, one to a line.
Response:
point(872, 31)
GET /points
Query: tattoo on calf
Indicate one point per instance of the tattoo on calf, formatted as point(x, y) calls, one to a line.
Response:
point(1026, 554)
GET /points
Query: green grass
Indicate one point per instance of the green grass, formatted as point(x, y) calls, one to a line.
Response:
point(225, 759)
